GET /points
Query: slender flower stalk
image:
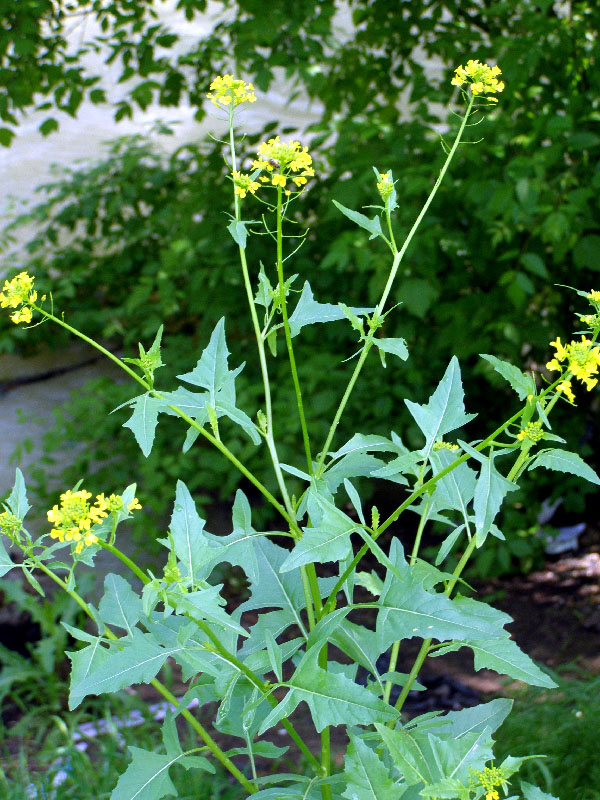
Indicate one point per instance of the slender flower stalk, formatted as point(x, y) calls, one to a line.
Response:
point(398, 256)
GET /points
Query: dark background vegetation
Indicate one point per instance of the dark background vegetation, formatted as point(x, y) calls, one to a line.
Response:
point(138, 237)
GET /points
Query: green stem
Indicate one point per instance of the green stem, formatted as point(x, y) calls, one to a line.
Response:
point(393, 662)
point(269, 436)
point(160, 687)
point(126, 560)
point(380, 306)
point(413, 557)
point(288, 335)
point(191, 422)
point(331, 600)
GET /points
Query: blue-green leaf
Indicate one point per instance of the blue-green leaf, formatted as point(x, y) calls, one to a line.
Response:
point(120, 605)
point(5, 562)
point(371, 225)
point(522, 383)
point(531, 792)
point(564, 461)
point(238, 232)
point(367, 776)
point(407, 609)
point(485, 716)
point(187, 530)
point(328, 540)
point(505, 657)
point(309, 312)
point(97, 670)
point(143, 421)
point(445, 410)
point(212, 371)
point(147, 776)
point(332, 698)
point(397, 347)
point(17, 499)
point(273, 589)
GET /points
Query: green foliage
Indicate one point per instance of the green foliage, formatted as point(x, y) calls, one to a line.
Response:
point(562, 725)
point(522, 206)
point(259, 661)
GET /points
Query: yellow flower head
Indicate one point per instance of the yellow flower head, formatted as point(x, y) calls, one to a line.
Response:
point(385, 187)
point(19, 293)
point(594, 296)
point(581, 359)
point(481, 78)
point(533, 431)
point(490, 778)
point(75, 516)
point(244, 184)
point(9, 524)
point(227, 91)
point(441, 445)
point(284, 160)
point(133, 505)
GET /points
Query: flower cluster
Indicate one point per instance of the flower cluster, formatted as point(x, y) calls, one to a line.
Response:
point(581, 359)
point(230, 92)
point(9, 524)
point(74, 520)
point(441, 445)
point(243, 184)
point(283, 161)
point(532, 431)
point(592, 320)
point(490, 778)
point(481, 78)
point(385, 187)
point(19, 294)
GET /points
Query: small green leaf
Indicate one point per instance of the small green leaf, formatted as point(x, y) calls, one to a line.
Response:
point(564, 461)
point(367, 776)
point(332, 698)
point(308, 311)
point(371, 225)
point(356, 322)
point(238, 232)
point(523, 384)
point(5, 563)
point(531, 792)
point(17, 499)
point(48, 126)
point(397, 347)
point(120, 605)
point(144, 420)
point(445, 410)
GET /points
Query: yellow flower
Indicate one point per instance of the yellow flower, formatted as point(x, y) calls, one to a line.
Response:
point(385, 187)
point(565, 388)
point(133, 505)
point(22, 315)
point(481, 78)
point(229, 91)
point(19, 293)
point(286, 160)
point(594, 296)
point(243, 184)
point(75, 517)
